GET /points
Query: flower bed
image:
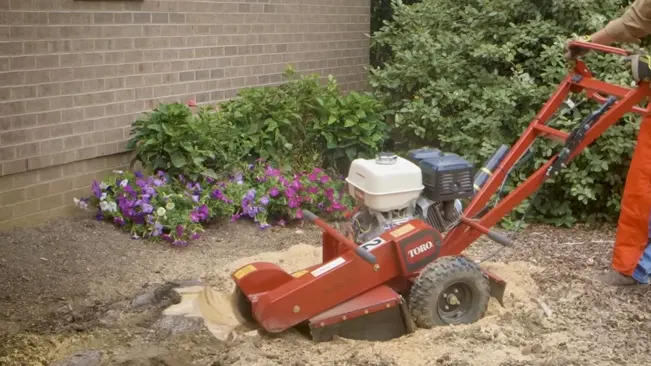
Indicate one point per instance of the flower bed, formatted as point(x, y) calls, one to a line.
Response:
point(175, 209)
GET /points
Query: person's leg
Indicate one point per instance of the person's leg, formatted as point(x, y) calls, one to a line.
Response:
point(631, 258)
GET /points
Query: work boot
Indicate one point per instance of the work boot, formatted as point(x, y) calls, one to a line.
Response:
point(614, 278)
point(640, 67)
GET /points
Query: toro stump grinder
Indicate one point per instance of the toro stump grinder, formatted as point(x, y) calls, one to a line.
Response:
point(405, 268)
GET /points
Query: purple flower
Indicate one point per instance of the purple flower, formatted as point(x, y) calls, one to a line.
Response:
point(118, 221)
point(97, 191)
point(325, 179)
point(180, 243)
point(147, 208)
point(290, 192)
point(299, 214)
point(195, 236)
point(158, 182)
point(271, 172)
point(313, 189)
point(239, 179)
point(264, 226)
point(179, 231)
point(99, 216)
point(141, 183)
point(313, 177)
point(167, 237)
point(273, 192)
point(158, 229)
point(250, 194)
point(282, 222)
point(264, 200)
point(195, 198)
point(293, 202)
point(194, 216)
point(138, 174)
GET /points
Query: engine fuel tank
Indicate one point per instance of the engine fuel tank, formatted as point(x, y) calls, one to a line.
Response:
point(385, 183)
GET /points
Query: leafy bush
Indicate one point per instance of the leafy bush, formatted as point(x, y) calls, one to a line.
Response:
point(296, 122)
point(172, 139)
point(175, 209)
point(301, 123)
point(470, 75)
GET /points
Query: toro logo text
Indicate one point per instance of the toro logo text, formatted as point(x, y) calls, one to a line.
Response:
point(423, 248)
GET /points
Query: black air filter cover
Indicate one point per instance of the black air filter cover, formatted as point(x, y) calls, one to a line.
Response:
point(447, 177)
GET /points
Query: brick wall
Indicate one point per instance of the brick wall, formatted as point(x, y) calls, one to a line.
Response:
point(75, 74)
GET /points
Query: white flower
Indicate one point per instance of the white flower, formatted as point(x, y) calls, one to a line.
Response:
point(113, 207)
point(103, 186)
point(79, 203)
point(124, 183)
point(104, 206)
point(161, 211)
point(103, 197)
point(118, 172)
point(170, 205)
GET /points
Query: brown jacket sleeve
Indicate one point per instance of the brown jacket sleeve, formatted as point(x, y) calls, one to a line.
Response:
point(633, 25)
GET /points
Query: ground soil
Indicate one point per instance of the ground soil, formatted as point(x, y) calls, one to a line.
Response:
point(68, 285)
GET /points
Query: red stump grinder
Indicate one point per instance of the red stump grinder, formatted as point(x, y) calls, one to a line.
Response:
point(400, 272)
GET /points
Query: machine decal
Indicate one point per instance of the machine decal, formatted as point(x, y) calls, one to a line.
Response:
point(420, 249)
point(328, 267)
point(402, 230)
point(244, 271)
point(371, 244)
point(299, 273)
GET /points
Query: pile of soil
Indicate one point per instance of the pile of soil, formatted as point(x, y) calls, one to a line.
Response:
point(78, 285)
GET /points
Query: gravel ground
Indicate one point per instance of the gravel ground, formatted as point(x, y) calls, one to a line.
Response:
point(70, 286)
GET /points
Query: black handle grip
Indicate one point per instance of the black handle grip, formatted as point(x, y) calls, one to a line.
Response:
point(366, 255)
point(308, 215)
point(500, 239)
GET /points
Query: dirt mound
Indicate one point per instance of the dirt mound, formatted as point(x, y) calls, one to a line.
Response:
point(502, 335)
point(70, 287)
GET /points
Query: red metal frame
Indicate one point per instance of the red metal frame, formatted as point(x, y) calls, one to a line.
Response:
point(458, 239)
point(351, 282)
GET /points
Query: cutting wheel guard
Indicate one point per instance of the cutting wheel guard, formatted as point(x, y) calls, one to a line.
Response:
point(616, 101)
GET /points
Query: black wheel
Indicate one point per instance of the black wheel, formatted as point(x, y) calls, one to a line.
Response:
point(451, 290)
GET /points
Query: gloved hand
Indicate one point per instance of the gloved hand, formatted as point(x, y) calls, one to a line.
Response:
point(571, 53)
point(640, 66)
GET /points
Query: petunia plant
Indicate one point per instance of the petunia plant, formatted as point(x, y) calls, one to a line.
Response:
point(176, 209)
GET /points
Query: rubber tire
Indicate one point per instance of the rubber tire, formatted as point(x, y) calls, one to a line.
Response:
point(435, 278)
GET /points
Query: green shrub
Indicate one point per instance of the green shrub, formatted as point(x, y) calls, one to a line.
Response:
point(470, 75)
point(304, 123)
point(172, 139)
point(297, 125)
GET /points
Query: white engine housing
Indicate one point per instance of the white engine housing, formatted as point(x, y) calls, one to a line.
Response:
point(386, 183)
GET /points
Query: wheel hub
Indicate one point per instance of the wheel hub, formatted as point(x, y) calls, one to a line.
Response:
point(455, 303)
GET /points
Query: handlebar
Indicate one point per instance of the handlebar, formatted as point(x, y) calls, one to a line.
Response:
point(600, 47)
point(361, 252)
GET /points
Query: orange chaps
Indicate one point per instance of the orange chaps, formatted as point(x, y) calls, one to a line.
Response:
point(632, 254)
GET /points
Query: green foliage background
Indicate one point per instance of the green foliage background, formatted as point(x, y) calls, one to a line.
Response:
point(469, 75)
point(303, 123)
